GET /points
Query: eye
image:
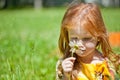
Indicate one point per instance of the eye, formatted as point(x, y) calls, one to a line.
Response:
point(87, 39)
point(74, 39)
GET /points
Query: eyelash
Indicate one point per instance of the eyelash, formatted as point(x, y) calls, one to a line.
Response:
point(83, 39)
point(74, 39)
point(86, 39)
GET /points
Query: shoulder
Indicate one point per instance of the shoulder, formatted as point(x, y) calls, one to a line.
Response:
point(98, 59)
point(110, 64)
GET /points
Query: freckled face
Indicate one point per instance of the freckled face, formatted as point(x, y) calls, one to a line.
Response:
point(88, 41)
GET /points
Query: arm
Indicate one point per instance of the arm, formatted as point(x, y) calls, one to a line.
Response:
point(59, 70)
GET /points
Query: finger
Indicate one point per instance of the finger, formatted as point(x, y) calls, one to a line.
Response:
point(68, 62)
point(69, 66)
point(70, 59)
point(68, 70)
point(64, 66)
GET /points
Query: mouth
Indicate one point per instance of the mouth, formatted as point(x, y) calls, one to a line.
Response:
point(80, 52)
point(84, 53)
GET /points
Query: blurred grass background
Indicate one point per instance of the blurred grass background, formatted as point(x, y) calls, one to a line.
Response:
point(29, 41)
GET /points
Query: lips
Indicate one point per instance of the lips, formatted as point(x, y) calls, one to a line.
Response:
point(79, 51)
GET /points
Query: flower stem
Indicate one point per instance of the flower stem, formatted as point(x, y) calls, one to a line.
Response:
point(72, 54)
point(73, 51)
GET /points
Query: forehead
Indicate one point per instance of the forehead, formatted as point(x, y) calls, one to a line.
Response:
point(78, 31)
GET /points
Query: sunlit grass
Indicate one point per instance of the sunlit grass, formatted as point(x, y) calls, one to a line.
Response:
point(29, 38)
point(111, 18)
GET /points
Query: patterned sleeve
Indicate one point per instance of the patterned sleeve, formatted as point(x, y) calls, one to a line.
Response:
point(111, 69)
point(59, 70)
point(111, 66)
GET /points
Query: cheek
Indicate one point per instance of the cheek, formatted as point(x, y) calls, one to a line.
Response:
point(90, 45)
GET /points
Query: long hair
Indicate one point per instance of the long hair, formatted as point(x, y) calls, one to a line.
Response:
point(88, 16)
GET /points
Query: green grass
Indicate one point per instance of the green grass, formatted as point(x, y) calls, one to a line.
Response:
point(28, 41)
point(111, 18)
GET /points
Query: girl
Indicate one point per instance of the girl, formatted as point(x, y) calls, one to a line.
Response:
point(82, 33)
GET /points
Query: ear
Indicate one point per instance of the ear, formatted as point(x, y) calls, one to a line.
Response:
point(98, 39)
point(98, 42)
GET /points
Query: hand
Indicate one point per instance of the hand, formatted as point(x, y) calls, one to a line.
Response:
point(68, 64)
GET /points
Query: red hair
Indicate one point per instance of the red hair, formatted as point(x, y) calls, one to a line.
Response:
point(87, 16)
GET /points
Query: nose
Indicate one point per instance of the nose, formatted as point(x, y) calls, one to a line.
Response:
point(81, 46)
